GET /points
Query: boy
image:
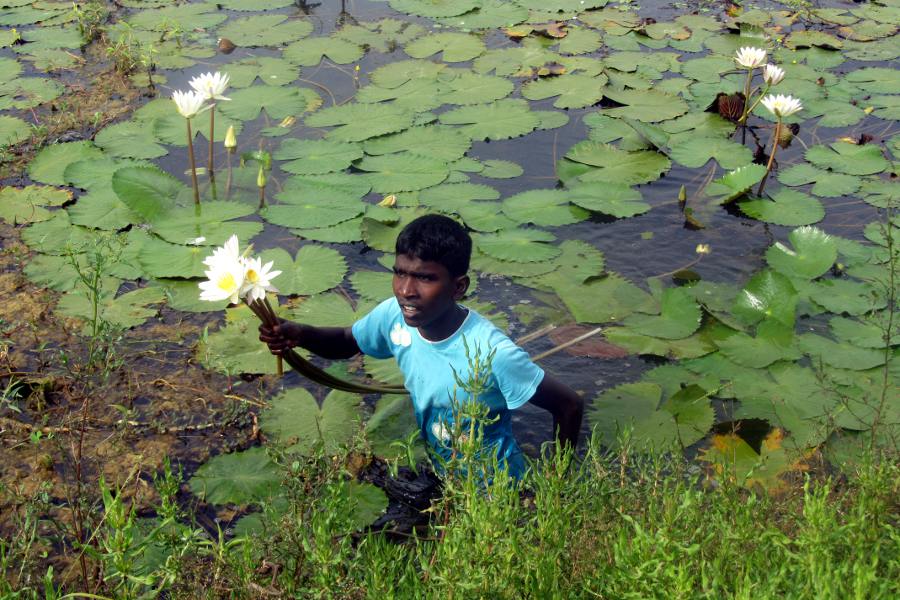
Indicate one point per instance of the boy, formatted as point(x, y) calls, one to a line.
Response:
point(423, 327)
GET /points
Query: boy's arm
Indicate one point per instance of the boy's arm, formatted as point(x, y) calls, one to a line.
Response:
point(327, 342)
point(564, 404)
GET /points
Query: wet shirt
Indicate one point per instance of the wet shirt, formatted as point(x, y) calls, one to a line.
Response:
point(428, 373)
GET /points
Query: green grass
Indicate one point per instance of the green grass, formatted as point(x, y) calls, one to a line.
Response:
point(608, 526)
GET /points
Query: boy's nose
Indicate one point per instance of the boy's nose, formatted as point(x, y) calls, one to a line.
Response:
point(406, 287)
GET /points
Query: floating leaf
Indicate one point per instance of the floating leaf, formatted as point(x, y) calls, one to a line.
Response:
point(357, 122)
point(875, 80)
point(402, 172)
point(826, 184)
point(499, 120)
point(501, 169)
point(734, 460)
point(295, 420)
point(813, 254)
point(392, 420)
point(315, 269)
point(787, 207)
point(490, 14)
point(681, 421)
point(867, 333)
point(126, 311)
point(278, 102)
point(309, 52)
point(147, 191)
point(645, 105)
point(12, 131)
point(395, 74)
point(679, 317)
point(841, 356)
point(238, 478)
point(517, 245)
point(472, 88)
point(235, 348)
point(697, 151)
point(545, 208)
point(263, 30)
point(573, 90)
point(314, 157)
point(847, 296)
point(768, 295)
point(26, 205)
point(129, 140)
point(313, 212)
point(851, 159)
point(737, 183)
point(435, 141)
point(595, 162)
point(51, 162)
point(434, 8)
point(212, 220)
point(454, 47)
point(774, 341)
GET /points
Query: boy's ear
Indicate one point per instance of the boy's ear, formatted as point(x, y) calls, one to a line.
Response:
point(462, 286)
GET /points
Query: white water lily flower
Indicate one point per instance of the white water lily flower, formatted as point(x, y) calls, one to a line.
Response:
point(189, 104)
point(258, 279)
point(773, 75)
point(224, 282)
point(750, 57)
point(781, 105)
point(211, 85)
point(227, 253)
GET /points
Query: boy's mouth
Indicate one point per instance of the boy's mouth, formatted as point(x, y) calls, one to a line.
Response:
point(409, 310)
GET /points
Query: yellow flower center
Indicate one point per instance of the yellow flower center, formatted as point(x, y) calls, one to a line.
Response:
point(252, 276)
point(226, 282)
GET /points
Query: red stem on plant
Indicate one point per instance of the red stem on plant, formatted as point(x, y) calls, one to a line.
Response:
point(775, 137)
point(190, 145)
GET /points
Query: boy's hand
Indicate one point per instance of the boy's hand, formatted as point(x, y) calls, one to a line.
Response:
point(281, 337)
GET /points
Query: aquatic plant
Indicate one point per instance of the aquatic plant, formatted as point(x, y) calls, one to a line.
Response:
point(212, 86)
point(781, 106)
point(189, 105)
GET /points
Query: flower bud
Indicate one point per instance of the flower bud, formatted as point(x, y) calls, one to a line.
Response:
point(702, 249)
point(230, 139)
point(388, 201)
point(261, 177)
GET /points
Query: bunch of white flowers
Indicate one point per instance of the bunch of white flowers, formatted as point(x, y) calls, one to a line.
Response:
point(751, 58)
point(233, 276)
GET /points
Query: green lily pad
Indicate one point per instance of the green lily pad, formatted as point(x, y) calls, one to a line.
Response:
point(278, 102)
point(580, 40)
point(852, 159)
point(841, 356)
point(159, 258)
point(395, 74)
point(434, 8)
point(787, 207)
point(126, 311)
point(435, 141)
point(296, 421)
point(129, 140)
point(813, 254)
point(147, 191)
point(573, 90)
point(184, 295)
point(847, 296)
point(593, 162)
point(13, 130)
point(473, 88)
point(241, 478)
point(680, 421)
point(498, 120)
point(768, 295)
point(357, 122)
point(774, 341)
point(264, 30)
point(313, 212)
point(235, 348)
point(381, 36)
point(314, 157)
point(649, 106)
point(489, 14)
point(392, 420)
point(454, 47)
point(311, 51)
point(826, 184)
point(601, 299)
point(679, 317)
point(268, 69)
point(734, 460)
point(614, 199)
point(875, 80)
point(865, 333)
point(314, 270)
point(517, 245)
point(545, 208)
point(501, 169)
point(736, 183)
point(329, 310)
point(697, 151)
point(212, 220)
point(51, 162)
point(26, 205)
point(402, 172)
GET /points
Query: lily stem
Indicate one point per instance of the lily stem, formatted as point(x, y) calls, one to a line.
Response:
point(190, 145)
point(775, 137)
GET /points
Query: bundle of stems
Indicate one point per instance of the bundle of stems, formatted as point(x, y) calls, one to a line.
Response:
point(263, 310)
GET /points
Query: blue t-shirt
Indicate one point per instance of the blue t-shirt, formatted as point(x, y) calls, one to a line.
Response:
point(428, 375)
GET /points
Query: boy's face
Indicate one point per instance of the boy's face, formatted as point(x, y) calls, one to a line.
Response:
point(426, 291)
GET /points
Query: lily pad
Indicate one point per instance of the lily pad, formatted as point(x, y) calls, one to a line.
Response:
point(842, 356)
point(435, 141)
point(545, 208)
point(263, 30)
point(235, 348)
point(311, 51)
point(826, 184)
point(13, 130)
point(680, 421)
point(736, 183)
point(517, 245)
point(852, 159)
point(314, 270)
point(614, 199)
point(573, 90)
point(787, 207)
point(314, 157)
point(278, 102)
point(845, 296)
point(593, 162)
point(126, 311)
point(51, 162)
point(734, 460)
point(813, 254)
point(768, 295)
point(454, 47)
point(356, 122)
point(296, 421)
point(679, 317)
point(697, 151)
point(434, 8)
point(649, 106)
point(241, 478)
point(402, 172)
point(498, 120)
point(313, 212)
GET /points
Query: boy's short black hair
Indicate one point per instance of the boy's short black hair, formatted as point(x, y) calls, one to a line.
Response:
point(438, 239)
